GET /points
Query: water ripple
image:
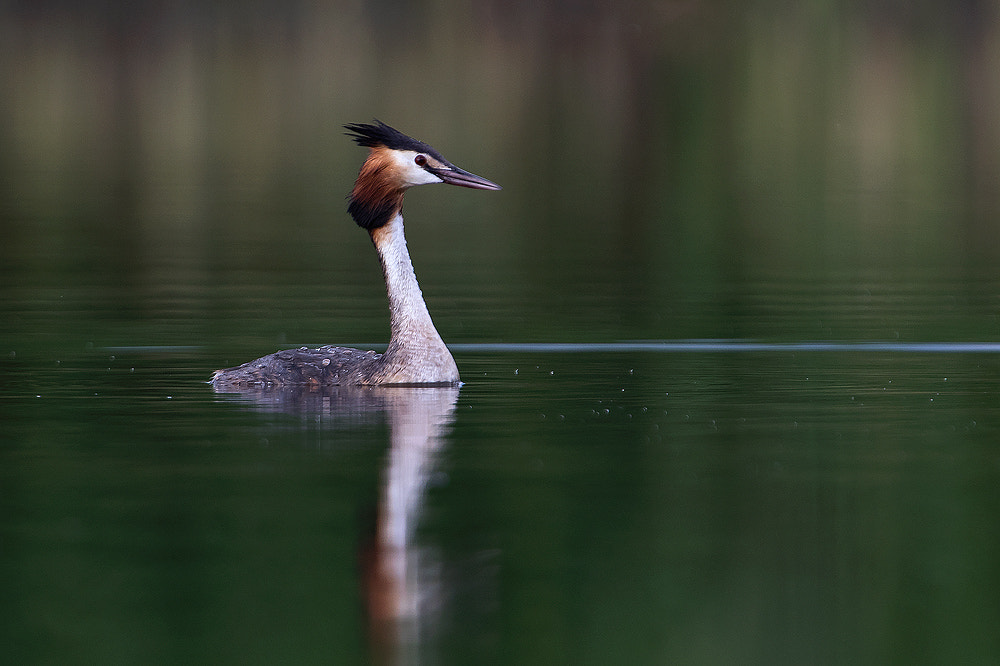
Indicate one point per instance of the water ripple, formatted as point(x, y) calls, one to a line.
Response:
point(732, 346)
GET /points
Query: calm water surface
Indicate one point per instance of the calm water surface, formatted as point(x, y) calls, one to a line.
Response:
point(729, 335)
point(727, 506)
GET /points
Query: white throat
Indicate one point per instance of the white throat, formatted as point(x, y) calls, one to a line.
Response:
point(416, 352)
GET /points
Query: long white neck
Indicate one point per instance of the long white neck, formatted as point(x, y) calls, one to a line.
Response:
point(416, 352)
point(407, 310)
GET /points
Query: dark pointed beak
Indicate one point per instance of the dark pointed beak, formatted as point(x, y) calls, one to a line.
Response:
point(452, 175)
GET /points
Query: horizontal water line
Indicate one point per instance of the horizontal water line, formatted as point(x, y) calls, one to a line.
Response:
point(663, 346)
point(151, 349)
point(731, 346)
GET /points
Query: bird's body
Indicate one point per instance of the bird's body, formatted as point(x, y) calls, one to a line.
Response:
point(416, 353)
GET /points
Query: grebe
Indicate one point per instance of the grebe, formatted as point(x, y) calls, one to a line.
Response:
point(416, 353)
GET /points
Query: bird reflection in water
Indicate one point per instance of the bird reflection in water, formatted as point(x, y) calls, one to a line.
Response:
point(399, 578)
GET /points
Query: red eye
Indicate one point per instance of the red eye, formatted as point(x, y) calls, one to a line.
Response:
point(421, 160)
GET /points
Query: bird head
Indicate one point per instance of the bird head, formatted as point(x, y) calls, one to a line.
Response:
point(395, 163)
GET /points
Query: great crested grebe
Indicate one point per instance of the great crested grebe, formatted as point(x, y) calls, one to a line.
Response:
point(416, 353)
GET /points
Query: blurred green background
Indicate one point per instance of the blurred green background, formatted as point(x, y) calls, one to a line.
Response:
point(172, 200)
point(661, 150)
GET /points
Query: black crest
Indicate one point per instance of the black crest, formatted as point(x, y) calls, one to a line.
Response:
point(380, 134)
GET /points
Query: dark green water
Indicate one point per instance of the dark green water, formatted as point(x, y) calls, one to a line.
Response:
point(728, 507)
point(728, 336)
